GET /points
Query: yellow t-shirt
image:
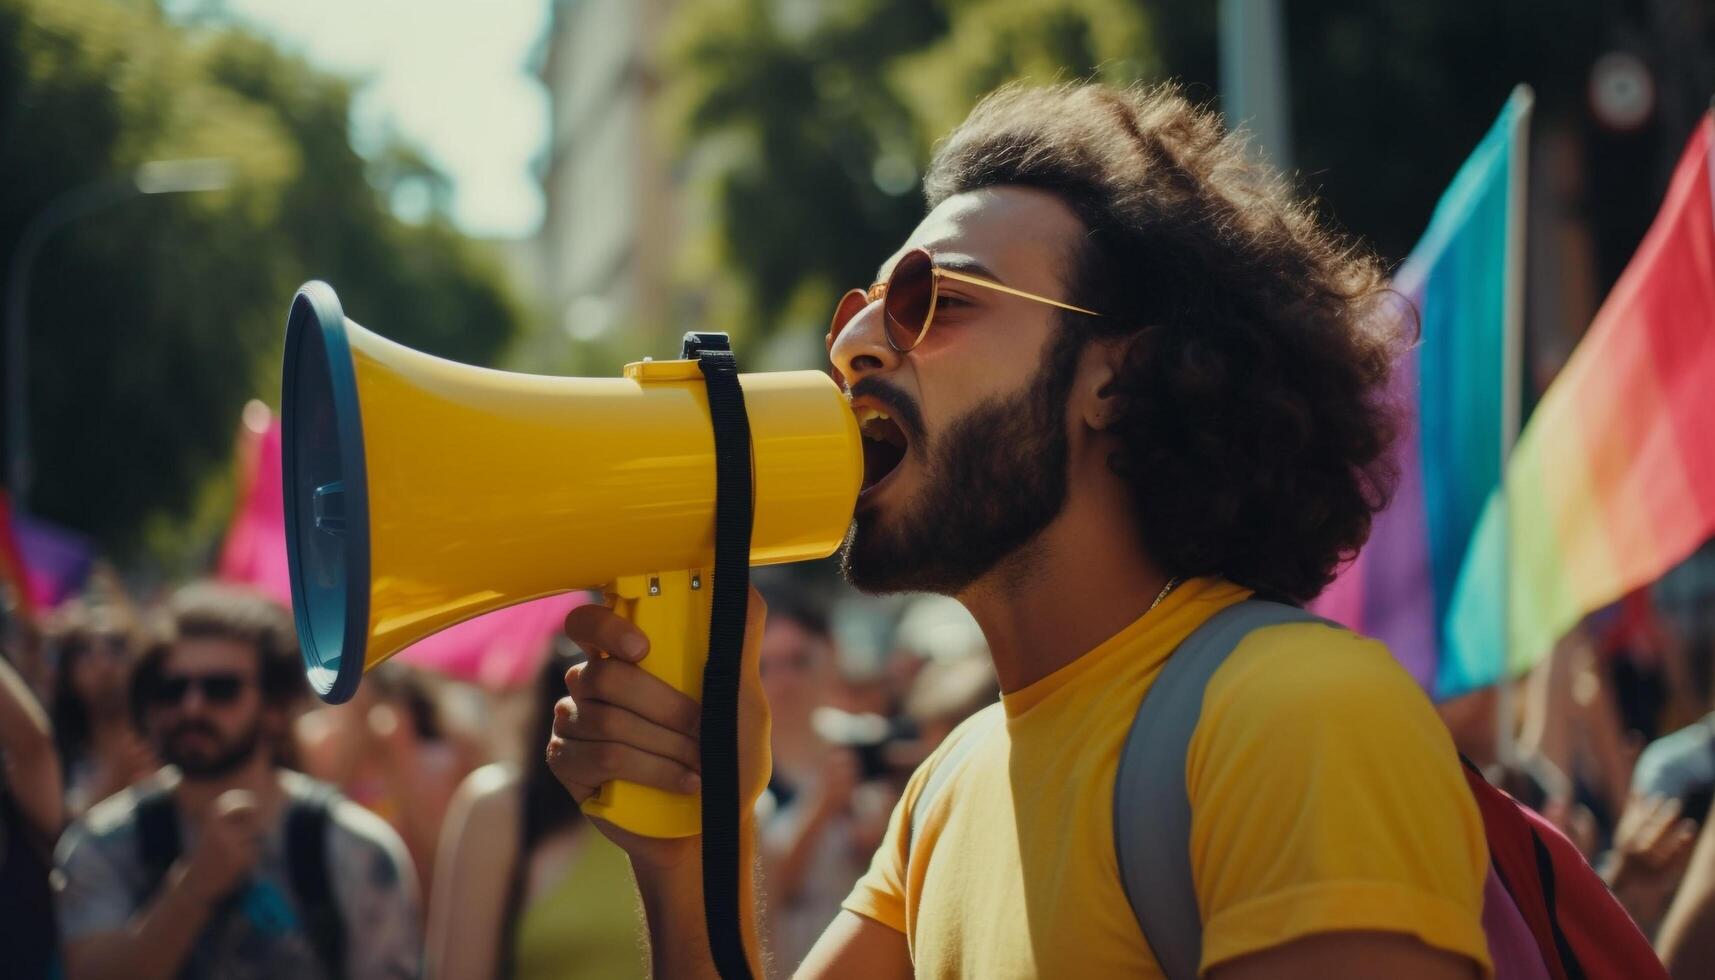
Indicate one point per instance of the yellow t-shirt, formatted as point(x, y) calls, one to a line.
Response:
point(1326, 796)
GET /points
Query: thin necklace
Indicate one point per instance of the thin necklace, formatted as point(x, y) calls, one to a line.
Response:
point(1172, 584)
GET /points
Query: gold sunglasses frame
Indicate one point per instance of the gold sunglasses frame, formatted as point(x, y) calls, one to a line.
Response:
point(878, 291)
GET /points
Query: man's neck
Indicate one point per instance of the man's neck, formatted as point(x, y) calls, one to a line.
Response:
point(1083, 579)
point(258, 777)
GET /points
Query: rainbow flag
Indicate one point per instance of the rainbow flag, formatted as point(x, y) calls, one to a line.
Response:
point(42, 564)
point(1613, 481)
point(1462, 279)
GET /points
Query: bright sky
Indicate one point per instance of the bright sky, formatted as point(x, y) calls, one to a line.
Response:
point(447, 76)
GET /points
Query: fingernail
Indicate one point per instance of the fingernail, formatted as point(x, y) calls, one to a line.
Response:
point(633, 646)
point(692, 782)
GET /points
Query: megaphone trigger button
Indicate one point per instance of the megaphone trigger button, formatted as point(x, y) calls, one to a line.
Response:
point(654, 585)
point(696, 582)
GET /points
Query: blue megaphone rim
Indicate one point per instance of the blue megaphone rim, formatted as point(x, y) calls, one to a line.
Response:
point(316, 328)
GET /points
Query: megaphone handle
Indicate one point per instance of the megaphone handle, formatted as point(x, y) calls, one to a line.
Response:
point(672, 610)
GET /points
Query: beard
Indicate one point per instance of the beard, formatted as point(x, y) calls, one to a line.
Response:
point(225, 757)
point(994, 479)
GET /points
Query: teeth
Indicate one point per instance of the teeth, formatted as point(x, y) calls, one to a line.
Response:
point(870, 414)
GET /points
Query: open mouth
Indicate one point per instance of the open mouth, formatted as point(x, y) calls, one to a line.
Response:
point(884, 445)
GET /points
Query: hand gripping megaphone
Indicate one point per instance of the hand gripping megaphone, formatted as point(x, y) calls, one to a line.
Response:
point(421, 493)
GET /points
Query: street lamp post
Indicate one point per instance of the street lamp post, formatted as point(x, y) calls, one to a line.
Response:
point(155, 177)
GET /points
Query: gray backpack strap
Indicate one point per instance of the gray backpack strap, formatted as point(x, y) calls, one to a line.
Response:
point(1152, 810)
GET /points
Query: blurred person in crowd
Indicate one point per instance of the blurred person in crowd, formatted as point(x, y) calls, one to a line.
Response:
point(392, 750)
point(527, 889)
point(26, 647)
point(223, 864)
point(93, 645)
point(1681, 765)
point(1572, 756)
point(31, 816)
point(943, 692)
point(1115, 382)
point(1686, 938)
point(946, 692)
point(804, 817)
point(1574, 760)
point(953, 677)
point(1649, 858)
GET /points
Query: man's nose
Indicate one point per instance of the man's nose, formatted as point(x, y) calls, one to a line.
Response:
point(861, 348)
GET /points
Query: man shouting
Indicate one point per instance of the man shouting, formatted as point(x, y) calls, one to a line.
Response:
point(1115, 382)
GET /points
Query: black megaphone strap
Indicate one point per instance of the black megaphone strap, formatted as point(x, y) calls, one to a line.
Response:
point(734, 503)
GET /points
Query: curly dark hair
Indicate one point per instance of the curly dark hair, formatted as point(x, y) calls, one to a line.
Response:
point(1252, 401)
point(227, 612)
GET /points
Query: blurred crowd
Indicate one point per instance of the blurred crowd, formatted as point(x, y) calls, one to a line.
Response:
point(176, 803)
point(1612, 738)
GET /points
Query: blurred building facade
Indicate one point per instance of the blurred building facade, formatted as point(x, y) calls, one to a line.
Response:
point(603, 257)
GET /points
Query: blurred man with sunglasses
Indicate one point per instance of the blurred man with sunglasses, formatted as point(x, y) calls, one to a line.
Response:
point(1116, 381)
point(226, 864)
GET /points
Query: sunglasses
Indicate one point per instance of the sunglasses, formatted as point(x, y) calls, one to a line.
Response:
point(909, 296)
point(221, 688)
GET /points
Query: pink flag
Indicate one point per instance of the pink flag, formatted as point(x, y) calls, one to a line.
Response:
point(501, 649)
point(255, 548)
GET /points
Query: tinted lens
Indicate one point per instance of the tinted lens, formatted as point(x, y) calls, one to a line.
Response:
point(910, 292)
point(850, 305)
point(172, 690)
point(221, 688)
point(216, 688)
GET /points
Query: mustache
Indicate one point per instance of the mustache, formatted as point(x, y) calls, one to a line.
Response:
point(905, 410)
point(193, 727)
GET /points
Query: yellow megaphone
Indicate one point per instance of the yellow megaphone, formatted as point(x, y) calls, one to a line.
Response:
point(421, 493)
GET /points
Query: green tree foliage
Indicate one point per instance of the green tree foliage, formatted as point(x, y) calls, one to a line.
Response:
point(808, 123)
point(807, 126)
point(152, 320)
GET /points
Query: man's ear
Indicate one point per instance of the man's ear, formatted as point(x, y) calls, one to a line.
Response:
point(1096, 400)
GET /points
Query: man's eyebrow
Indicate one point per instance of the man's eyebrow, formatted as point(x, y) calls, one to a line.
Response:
point(954, 263)
point(965, 265)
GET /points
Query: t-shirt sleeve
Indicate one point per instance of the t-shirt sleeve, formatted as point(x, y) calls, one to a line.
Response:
point(880, 893)
point(1327, 796)
point(377, 893)
point(91, 891)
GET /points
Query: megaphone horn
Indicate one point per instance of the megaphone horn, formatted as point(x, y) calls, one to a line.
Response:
point(421, 492)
